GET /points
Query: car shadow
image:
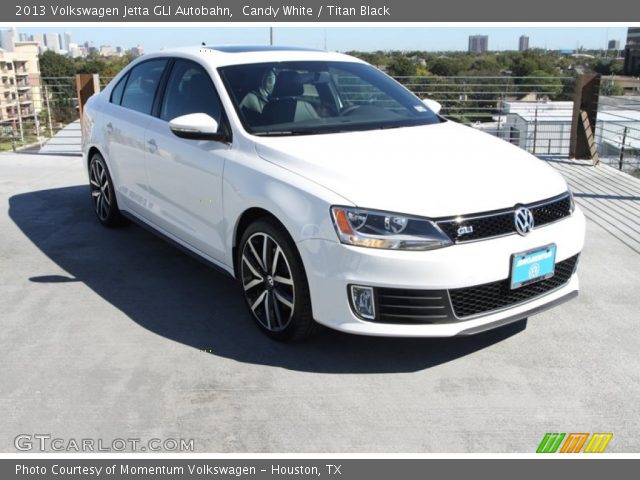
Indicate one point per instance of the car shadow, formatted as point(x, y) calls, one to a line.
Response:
point(173, 295)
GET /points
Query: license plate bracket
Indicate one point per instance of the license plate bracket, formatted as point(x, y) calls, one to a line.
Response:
point(532, 266)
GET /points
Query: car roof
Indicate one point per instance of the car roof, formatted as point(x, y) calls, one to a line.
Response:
point(221, 55)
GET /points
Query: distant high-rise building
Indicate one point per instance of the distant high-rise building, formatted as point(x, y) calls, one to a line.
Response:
point(8, 39)
point(478, 43)
point(52, 41)
point(90, 47)
point(632, 52)
point(75, 50)
point(23, 37)
point(66, 39)
point(613, 45)
point(633, 36)
point(523, 43)
point(136, 51)
point(39, 39)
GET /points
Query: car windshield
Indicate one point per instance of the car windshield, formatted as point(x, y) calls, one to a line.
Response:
point(312, 97)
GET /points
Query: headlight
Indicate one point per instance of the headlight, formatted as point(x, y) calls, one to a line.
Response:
point(394, 231)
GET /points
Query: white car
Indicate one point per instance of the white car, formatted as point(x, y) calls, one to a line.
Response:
point(332, 193)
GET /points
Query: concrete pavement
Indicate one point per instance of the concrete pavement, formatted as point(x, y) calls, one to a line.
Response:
point(116, 334)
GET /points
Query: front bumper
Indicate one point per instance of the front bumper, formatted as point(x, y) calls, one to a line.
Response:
point(332, 266)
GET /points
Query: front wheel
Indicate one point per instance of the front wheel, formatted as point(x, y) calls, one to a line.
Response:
point(274, 282)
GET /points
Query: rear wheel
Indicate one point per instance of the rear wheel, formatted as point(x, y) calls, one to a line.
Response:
point(102, 193)
point(274, 282)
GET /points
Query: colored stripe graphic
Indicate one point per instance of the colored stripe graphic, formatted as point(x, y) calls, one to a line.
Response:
point(598, 442)
point(550, 443)
point(574, 443)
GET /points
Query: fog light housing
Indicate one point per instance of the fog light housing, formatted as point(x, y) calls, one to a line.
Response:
point(362, 302)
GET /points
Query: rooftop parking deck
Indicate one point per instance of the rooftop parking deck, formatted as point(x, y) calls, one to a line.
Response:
point(116, 334)
point(608, 197)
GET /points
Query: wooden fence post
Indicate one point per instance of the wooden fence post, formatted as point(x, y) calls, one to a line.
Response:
point(86, 85)
point(582, 144)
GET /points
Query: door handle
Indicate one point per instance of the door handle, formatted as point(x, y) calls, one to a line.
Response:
point(153, 146)
point(109, 128)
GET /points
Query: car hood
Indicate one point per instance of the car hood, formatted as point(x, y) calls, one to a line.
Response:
point(433, 170)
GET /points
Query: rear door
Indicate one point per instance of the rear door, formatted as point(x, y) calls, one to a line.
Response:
point(185, 175)
point(126, 117)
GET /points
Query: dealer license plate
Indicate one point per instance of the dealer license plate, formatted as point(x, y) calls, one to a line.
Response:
point(532, 266)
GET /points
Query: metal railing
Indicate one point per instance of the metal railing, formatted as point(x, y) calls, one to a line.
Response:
point(617, 132)
point(520, 110)
point(534, 113)
point(32, 114)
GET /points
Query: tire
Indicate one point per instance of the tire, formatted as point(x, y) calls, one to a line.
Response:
point(274, 282)
point(103, 195)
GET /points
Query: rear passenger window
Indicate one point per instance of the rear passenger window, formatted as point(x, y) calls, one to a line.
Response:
point(142, 85)
point(116, 93)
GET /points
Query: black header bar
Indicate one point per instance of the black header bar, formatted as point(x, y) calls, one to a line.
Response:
point(313, 11)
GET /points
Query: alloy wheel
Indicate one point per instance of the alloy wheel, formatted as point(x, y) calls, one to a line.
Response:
point(268, 282)
point(100, 191)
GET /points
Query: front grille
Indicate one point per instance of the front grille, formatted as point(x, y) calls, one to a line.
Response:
point(406, 306)
point(495, 224)
point(551, 212)
point(485, 298)
point(403, 306)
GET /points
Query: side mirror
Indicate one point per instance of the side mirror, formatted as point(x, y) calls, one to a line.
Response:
point(196, 126)
point(432, 105)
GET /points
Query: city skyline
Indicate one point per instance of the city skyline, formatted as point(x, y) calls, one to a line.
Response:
point(345, 38)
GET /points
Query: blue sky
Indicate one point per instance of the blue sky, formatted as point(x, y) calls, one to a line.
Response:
point(345, 38)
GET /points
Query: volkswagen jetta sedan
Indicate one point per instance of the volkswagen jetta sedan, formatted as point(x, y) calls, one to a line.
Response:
point(331, 192)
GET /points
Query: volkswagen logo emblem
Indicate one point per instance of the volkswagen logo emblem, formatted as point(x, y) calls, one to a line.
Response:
point(523, 219)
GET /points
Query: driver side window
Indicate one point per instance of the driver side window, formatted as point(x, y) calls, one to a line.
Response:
point(190, 90)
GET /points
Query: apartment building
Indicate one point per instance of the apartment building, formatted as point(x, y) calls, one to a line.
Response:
point(20, 86)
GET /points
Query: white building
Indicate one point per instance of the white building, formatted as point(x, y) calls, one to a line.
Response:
point(544, 128)
point(20, 90)
point(52, 42)
point(76, 50)
point(106, 50)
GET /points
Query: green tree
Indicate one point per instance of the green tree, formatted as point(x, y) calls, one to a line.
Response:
point(55, 65)
point(610, 88)
point(57, 73)
point(401, 66)
point(542, 83)
point(526, 63)
point(445, 67)
point(607, 66)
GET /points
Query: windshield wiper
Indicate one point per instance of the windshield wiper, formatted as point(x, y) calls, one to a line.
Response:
point(283, 133)
point(280, 133)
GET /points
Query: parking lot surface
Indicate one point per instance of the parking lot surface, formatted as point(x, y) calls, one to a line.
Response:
point(110, 334)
